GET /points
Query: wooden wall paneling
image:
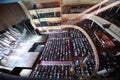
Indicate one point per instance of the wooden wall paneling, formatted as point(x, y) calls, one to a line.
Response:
point(11, 14)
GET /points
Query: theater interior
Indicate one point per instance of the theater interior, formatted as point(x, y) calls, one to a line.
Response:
point(59, 39)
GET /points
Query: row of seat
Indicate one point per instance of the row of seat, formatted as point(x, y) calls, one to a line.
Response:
point(91, 27)
point(112, 15)
point(59, 47)
point(76, 34)
point(56, 50)
point(106, 61)
point(76, 9)
point(88, 70)
point(54, 23)
point(109, 60)
point(46, 15)
point(81, 48)
point(59, 34)
point(55, 72)
point(83, 52)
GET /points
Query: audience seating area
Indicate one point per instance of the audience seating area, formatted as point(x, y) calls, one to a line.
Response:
point(82, 53)
point(47, 15)
point(60, 42)
point(62, 46)
point(73, 9)
point(56, 50)
point(61, 52)
point(108, 57)
point(52, 72)
point(69, 47)
point(112, 15)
